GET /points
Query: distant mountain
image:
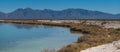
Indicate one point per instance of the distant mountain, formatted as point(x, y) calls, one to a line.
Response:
point(118, 15)
point(2, 15)
point(29, 13)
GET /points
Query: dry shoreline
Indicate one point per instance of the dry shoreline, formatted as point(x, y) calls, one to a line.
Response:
point(110, 47)
point(96, 32)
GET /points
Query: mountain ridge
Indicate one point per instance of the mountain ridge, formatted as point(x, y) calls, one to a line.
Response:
point(70, 13)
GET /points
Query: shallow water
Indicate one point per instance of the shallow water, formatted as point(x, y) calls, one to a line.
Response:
point(29, 38)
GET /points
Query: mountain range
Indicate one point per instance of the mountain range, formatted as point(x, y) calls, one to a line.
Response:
point(29, 13)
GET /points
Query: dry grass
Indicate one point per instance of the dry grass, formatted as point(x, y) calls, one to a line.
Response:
point(97, 36)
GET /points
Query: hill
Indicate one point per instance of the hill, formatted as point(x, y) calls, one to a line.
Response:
point(29, 13)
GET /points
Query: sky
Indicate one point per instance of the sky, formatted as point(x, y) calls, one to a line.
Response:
point(108, 6)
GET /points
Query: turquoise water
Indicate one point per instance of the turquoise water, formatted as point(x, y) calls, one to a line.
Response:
point(29, 38)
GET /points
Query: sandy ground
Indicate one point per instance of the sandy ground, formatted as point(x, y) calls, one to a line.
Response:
point(112, 25)
point(111, 47)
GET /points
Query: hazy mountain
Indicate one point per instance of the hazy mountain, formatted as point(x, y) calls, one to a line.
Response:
point(29, 13)
point(2, 15)
point(118, 15)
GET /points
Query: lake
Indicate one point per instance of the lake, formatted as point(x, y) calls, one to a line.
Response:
point(31, 38)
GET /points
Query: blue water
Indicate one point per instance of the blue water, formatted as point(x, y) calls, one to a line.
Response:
point(31, 38)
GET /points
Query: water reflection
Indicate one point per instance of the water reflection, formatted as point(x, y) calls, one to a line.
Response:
point(25, 26)
point(75, 32)
point(30, 38)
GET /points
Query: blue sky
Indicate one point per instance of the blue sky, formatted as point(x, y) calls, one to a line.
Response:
point(109, 6)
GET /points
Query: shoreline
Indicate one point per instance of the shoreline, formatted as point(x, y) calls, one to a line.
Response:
point(95, 32)
point(110, 47)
